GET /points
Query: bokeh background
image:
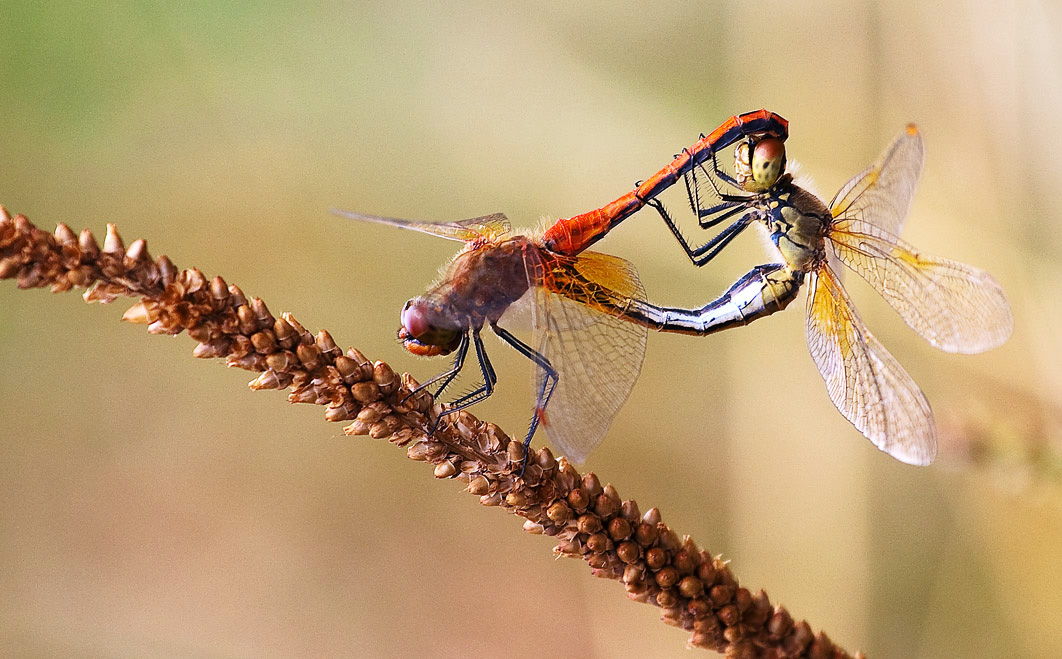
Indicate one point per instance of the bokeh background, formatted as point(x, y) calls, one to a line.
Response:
point(152, 506)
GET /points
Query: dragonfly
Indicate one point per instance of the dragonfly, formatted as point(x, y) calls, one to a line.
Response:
point(953, 306)
point(586, 351)
point(768, 129)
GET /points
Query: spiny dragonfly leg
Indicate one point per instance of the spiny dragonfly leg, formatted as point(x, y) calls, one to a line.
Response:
point(763, 291)
point(734, 206)
point(484, 391)
point(705, 253)
point(705, 215)
point(549, 382)
point(446, 376)
point(721, 173)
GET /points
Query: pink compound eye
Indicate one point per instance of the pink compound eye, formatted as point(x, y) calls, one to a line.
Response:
point(414, 320)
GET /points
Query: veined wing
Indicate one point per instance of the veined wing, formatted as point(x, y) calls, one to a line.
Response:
point(953, 306)
point(597, 355)
point(864, 381)
point(486, 227)
point(882, 194)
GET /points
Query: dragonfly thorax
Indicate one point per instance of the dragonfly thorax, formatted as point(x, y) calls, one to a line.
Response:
point(797, 221)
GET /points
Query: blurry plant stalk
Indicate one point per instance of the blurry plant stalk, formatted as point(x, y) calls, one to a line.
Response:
point(696, 591)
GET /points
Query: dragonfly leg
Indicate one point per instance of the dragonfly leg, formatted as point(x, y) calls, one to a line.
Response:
point(705, 253)
point(722, 174)
point(549, 381)
point(693, 193)
point(763, 291)
point(483, 391)
point(475, 396)
point(446, 376)
point(731, 209)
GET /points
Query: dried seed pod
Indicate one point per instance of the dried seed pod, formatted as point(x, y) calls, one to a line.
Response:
point(544, 458)
point(261, 312)
point(137, 314)
point(167, 271)
point(667, 577)
point(113, 244)
point(559, 512)
point(64, 235)
point(691, 586)
point(219, 290)
point(359, 428)
point(597, 542)
point(326, 344)
point(619, 528)
point(655, 558)
point(365, 392)
point(340, 413)
point(516, 452)
point(578, 499)
point(8, 267)
point(285, 334)
point(518, 498)
point(630, 512)
point(137, 253)
point(248, 323)
point(478, 486)
point(384, 428)
point(628, 551)
point(633, 574)
point(646, 534)
point(265, 342)
point(267, 380)
point(666, 599)
point(588, 524)
point(373, 412)
point(720, 594)
point(780, 623)
point(90, 249)
point(281, 361)
point(309, 355)
point(592, 485)
point(385, 378)
point(445, 470)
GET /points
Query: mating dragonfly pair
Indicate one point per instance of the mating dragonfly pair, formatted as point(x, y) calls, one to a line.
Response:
point(591, 318)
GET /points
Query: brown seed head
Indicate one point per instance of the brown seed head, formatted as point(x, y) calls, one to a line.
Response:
point(655, 557)
point(588, 523)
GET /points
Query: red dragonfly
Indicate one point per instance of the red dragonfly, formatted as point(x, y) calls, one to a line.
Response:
point(586, 349)
point(953, 306)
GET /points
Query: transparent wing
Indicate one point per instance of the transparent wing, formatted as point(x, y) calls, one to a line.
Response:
point(597, 355)
point(486, 227)
point(882, 194)
point(864, 381)
point(953, 306)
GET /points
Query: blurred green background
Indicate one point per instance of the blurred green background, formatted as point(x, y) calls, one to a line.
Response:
point(152, 506)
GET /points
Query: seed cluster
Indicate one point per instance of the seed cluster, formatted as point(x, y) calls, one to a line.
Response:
point(695, 591)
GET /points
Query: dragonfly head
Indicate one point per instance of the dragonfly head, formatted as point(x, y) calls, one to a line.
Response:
point(426, 331)
point(759, 163)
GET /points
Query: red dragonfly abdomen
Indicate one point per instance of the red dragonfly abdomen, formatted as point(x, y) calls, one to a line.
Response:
point(573, 235)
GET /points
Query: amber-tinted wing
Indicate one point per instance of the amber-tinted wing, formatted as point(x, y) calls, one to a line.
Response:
point(597, 355)
point(486, 227)
point(882, 194)
point(864, 381)
point(953, 306)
